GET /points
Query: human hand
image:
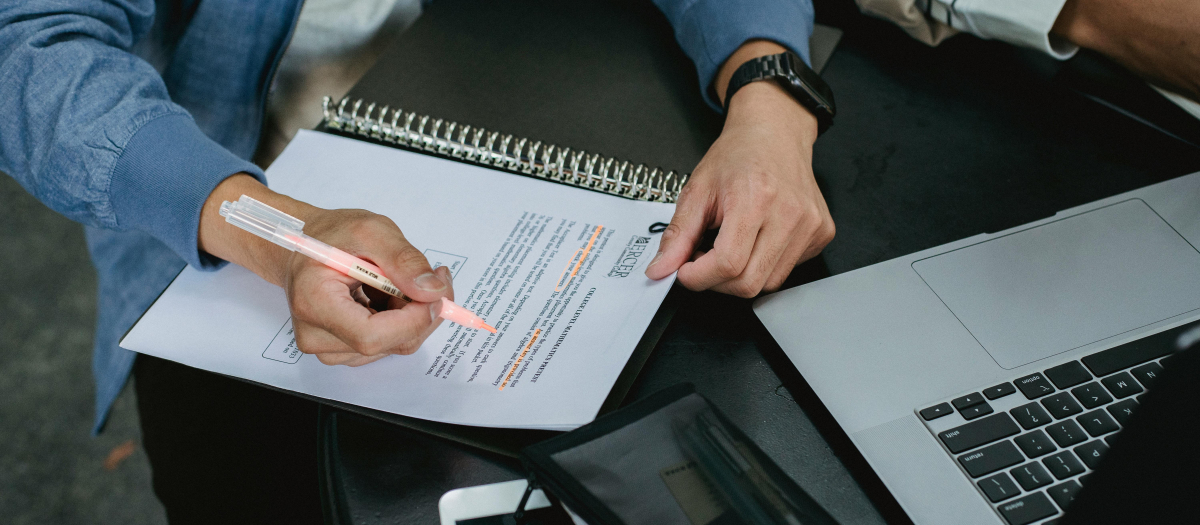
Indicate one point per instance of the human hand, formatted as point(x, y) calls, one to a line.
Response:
point(756, 184)
point(335, 317)
point(344, 322)
point(1157, 39)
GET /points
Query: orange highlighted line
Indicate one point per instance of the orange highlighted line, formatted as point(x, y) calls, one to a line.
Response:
point(585, 251)
point(528, 345)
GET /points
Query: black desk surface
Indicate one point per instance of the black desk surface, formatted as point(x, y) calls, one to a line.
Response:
point(930, 145)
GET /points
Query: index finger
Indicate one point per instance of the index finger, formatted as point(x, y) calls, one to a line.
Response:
point(729, 256)
point(381, 241)
point(400, 330)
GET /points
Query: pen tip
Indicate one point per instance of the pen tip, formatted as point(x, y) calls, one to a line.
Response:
point(489, 328)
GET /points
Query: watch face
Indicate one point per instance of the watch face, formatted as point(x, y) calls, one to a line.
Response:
point(795, 63)
point(802, 77)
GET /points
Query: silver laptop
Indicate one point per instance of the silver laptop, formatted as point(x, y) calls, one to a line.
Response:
point(983, 379)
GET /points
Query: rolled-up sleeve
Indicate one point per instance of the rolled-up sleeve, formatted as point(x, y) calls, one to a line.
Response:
point(90, 129)
point(709, 31)
point(1020, 22)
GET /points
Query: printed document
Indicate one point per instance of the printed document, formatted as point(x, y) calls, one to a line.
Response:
point(557, 270)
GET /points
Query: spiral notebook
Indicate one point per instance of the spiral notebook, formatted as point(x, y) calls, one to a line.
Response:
point(555, 264)
point(496, 150)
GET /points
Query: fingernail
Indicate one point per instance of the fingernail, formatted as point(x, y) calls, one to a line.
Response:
point(429, 282)
point(434, 309)
point(445, 275)
point(654, 261)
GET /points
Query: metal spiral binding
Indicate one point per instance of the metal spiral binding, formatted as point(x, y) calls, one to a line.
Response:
point(514, 154)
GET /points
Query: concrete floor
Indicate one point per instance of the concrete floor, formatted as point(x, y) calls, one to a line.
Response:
point(51, 469)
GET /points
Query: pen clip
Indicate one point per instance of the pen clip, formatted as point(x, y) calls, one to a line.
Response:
point(259, 211)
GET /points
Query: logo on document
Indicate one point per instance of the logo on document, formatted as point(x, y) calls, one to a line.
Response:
point(629, 258)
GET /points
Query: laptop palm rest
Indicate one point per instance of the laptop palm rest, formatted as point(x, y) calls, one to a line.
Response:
point(1067, 283)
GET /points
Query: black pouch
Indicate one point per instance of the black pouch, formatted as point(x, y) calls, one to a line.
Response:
point(669, 459)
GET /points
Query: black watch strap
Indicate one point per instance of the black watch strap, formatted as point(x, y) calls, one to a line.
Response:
point(795, 77)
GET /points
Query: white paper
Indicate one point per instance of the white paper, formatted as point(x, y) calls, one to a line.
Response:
point(507, 239)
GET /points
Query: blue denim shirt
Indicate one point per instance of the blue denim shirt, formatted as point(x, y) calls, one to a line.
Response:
point(125, 114)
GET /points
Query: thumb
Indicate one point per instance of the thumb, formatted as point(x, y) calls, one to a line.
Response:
point(409, 270)
point(680, 238)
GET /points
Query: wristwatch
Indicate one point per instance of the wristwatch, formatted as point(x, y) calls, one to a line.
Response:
point(804, 84)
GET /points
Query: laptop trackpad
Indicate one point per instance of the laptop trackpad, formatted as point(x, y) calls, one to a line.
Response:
point(1059, 286)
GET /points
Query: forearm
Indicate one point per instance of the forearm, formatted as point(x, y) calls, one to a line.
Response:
point(73, 98)
point(225, 241)
point(1155, 38)
point(91, 130)
point(711, 31)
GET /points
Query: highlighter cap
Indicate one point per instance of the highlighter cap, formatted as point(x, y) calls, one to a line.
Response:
point(263, 221)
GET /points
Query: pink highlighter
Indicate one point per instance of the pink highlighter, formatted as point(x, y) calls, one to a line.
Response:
point(286, 231)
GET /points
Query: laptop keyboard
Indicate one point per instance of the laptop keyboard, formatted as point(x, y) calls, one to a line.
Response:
point(1028, 444)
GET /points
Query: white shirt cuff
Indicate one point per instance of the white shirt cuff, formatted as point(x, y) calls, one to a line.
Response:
point(1021, 22)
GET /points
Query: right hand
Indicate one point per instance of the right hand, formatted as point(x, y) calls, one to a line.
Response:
point(344, 322)
point(335, 317)
point(1156, 39)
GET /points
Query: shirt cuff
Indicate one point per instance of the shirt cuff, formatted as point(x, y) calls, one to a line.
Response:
point(162, 178)
point(1021, 22)
point(709, 31)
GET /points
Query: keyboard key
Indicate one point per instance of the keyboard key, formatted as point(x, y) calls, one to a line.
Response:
point(999, 487)
point(1027, 510)
point(1031, 415)
point(1066, 433)
point(1147, 373)
point(1063, 465)
point(1035, 444)
point(936, 411)
point(1091, 395)
point(1062, 405)
point(1034, 386)
point(990, 459)
point(999, 391)
point(1063, 493)
point(1122, 410)
point(1091, 452)
point(1032, 475)
point(976, 411)
point(1122, 385)
point(979, 432)
point(1098, 422)
point(1068, 375)
point(968, 400)
point(1124, 356)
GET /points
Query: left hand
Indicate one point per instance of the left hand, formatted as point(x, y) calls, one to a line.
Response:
point(756, 184)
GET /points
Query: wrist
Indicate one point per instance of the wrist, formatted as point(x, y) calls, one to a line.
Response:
point(225, 241)
point(766, 101)
point(750, 50)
